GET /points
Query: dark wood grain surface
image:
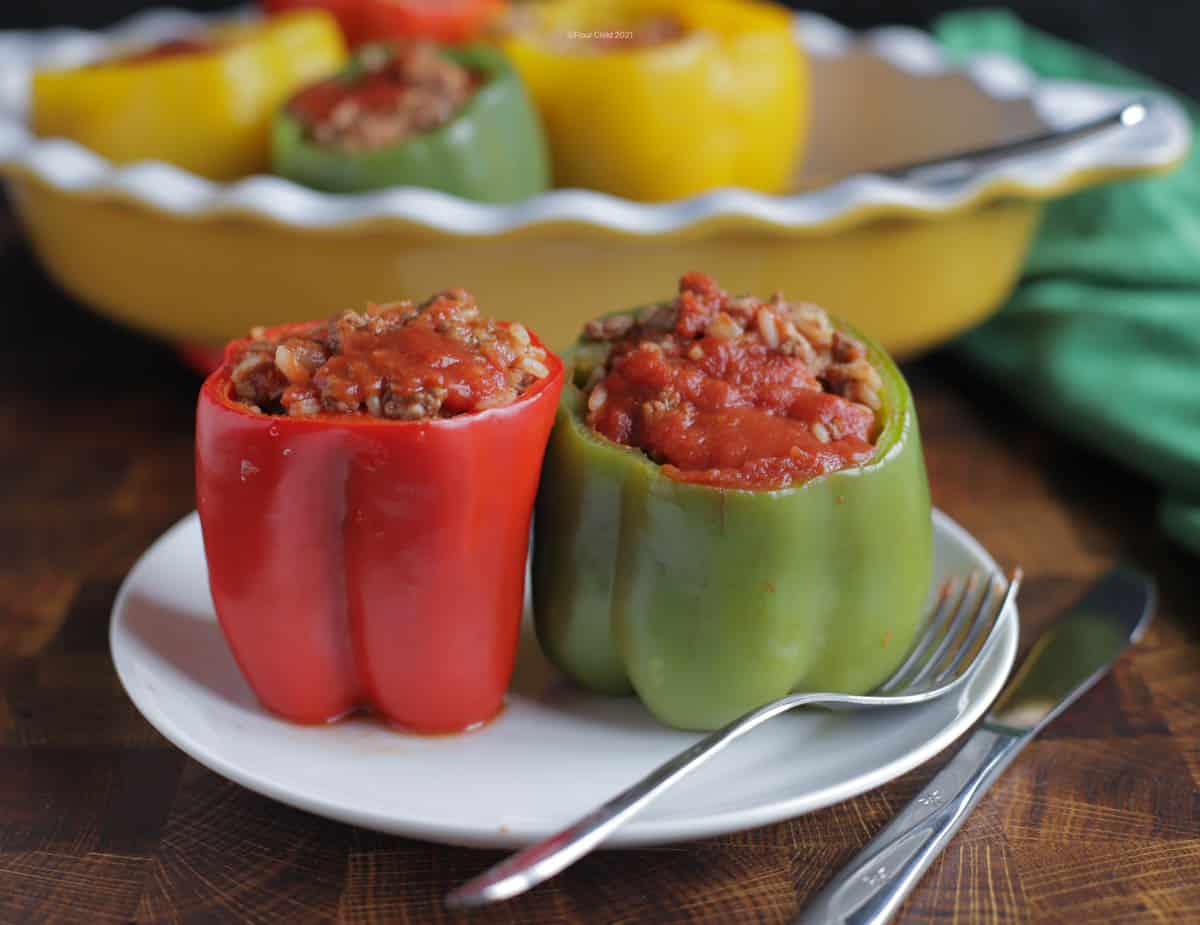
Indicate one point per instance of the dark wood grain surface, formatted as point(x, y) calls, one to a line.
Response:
point(101, 820)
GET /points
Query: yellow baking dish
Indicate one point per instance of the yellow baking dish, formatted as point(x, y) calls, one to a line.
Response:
point(193, 261)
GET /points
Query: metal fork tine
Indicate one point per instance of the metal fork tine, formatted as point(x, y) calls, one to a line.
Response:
point(949, 600)
point(958, 625)
point(932, 628)
point(984, 628)
point(980, 622)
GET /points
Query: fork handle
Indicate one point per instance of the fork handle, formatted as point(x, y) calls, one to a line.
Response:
point(871, 888)
point(541, 861)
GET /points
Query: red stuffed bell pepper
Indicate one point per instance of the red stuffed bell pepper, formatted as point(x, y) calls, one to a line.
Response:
point(447, 21)
point(365, 487)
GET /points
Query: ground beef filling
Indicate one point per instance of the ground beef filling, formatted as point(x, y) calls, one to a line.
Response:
point(401, 361)
point(734, 392)
point(401, 92)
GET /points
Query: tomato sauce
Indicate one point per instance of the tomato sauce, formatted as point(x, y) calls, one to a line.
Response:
point(731, 393)
point(399, 361)
point(396, 94)
point(414, 360)
point(377, 91)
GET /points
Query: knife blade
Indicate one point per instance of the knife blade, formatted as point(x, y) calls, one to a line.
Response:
point(1070, 657)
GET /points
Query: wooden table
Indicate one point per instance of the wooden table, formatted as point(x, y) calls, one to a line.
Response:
point(102, 820)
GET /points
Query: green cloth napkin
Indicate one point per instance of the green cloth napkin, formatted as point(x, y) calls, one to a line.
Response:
point(1102, 337)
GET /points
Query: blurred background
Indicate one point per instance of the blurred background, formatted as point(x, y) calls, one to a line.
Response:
point(1064, 435)
point(1157, 37)
point(1111, 279)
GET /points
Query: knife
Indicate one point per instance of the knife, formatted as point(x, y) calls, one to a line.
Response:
point(1065, 662)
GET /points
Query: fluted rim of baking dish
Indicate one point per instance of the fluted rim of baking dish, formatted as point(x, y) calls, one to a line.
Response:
point(1157, 143)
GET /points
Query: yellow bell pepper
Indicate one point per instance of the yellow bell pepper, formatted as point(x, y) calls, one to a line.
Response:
point(207, 109)
point(725, 104)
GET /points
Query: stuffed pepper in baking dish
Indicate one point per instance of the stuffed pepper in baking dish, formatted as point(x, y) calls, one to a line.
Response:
point(413, 114)
point(203, 102)
point(365, 21)
point(661, 99)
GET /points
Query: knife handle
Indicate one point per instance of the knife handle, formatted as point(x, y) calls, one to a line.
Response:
point(874, 884)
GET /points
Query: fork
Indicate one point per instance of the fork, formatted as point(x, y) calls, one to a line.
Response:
point(962, 626)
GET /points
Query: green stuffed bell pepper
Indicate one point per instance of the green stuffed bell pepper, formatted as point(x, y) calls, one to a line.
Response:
point(452, 119)
point(733, 506)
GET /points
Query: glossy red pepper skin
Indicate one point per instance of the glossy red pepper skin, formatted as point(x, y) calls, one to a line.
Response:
point(359, 562)
point(446, 21)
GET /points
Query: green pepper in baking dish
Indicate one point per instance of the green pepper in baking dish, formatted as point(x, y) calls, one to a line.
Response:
point(452, 119)
point(710, 601)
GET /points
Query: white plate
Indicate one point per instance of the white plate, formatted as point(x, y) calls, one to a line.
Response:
point(554, 752)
